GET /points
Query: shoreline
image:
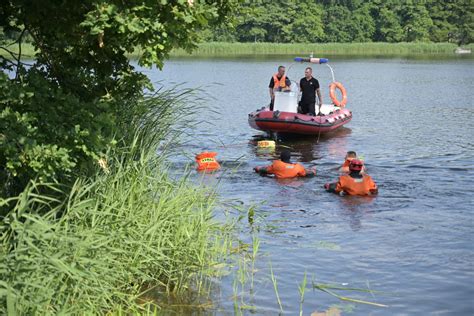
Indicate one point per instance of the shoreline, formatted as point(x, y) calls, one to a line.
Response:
point(219, 49)
point(243, 50)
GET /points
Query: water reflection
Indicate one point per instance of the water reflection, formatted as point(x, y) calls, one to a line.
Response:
point(292, 182)
point(355, 209)
point(338, 144)
point(303, 148)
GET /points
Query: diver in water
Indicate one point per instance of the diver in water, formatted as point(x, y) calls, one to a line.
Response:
point(283, 168)
point(354, 183)
point(349, 157)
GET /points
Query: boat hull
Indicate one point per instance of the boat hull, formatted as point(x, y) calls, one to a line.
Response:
point(295, 123)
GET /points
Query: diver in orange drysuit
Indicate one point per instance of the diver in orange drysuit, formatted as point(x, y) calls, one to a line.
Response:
point(345, 166)
point(354, 183)
point(349, 156)
point(283, 168)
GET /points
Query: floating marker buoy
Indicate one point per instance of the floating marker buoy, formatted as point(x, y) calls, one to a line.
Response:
point(206, 161)
point(266, 144)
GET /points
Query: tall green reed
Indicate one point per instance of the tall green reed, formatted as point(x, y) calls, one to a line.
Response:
point(350, 49)
point(128, 230)
point(275, 287)
point(302, 290)
point(224, 49)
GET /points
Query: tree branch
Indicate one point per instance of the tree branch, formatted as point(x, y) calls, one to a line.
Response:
point(19, 54)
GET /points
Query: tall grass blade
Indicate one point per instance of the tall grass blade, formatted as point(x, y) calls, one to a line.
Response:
point(275, 287)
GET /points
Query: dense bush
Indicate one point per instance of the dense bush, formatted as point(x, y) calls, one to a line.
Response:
point(345, 21)
point(47, 133)
point(73, 103)
point(88, 216)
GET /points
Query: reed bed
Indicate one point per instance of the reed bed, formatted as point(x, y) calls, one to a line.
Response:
point(221, 49)
point(114, 237)
point(345, 49)
point(102, 245)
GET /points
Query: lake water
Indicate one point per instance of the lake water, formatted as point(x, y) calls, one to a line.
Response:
point(413, 125)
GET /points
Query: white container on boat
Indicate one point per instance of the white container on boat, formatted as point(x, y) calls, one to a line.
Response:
point(286, 101)
point(326, 109)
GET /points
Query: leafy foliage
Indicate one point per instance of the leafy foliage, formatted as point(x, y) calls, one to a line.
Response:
point(352, 21)
point(388, 26)
point(46, 133)
point(97, 245)
point(61, 114)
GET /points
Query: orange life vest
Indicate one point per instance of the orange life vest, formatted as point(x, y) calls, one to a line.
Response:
point(206, 161)
point(279, 83)
point(356, 186)
point(346, 164)
point(283, 170)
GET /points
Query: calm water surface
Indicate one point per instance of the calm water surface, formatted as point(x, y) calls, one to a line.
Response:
point(415, 242)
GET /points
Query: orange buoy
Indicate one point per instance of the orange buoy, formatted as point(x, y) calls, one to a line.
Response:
point(332, 94)
point(206, 161)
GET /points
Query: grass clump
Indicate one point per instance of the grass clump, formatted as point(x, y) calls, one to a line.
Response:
point(112, 238)
point(101, 244)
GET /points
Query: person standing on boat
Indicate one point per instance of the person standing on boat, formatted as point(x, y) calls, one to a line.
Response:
point(279, 82)
point(309, 87)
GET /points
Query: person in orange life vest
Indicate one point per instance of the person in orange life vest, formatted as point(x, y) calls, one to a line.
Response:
point(347, 160)
point(353, 183)
point(283, 168)
point(278, 82)
point(345, 166)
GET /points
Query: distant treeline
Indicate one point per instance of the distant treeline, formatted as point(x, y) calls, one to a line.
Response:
point(346, 21)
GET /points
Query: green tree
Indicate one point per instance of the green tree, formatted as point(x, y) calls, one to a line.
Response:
point(388, 28)
point(416, 22)
point(352, 21)
point(363, 25)
point(306, 25)
point(278, 15)
point(62, 113)
point(441, 13)
point(251, 23)
point(349, 4)
point(338, 24)
point(463, 19)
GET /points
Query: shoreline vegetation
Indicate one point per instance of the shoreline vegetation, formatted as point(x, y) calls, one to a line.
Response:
point(115, 239)
point(220, 49)
point(223, 49)
point(128, 231)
